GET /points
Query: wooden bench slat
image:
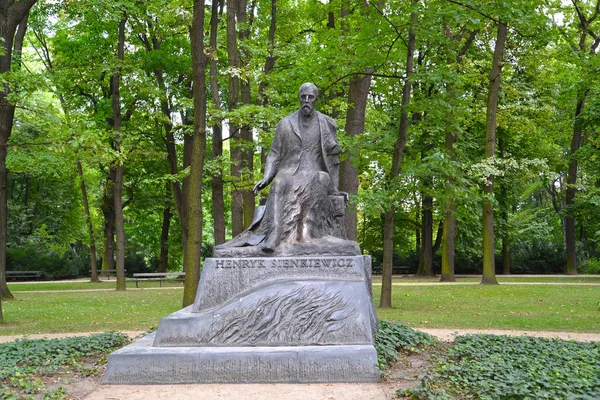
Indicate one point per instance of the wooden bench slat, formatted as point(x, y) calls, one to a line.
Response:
point(158, 276)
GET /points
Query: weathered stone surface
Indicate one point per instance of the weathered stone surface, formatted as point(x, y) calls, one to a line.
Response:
point(298, 319)
point(295, 314)
point(224, 278)
point(141, 363)
point(297, 301)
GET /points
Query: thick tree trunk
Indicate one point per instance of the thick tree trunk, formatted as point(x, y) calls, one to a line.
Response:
point(358, 92)
point(12, 15)
point(194, 251)
point(218, 203)
point(449, 235)
point(489, 268)
point(90, 226)
point(570, 241)
point(388, 226)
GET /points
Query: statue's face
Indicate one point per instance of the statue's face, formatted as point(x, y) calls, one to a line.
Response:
point(308, 98)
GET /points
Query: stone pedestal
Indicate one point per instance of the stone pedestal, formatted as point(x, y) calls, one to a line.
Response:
point(263, 320)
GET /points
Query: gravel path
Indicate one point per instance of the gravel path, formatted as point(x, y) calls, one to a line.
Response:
point(446, 335)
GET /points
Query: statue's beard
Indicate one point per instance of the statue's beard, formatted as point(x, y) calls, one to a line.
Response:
point(307, 111)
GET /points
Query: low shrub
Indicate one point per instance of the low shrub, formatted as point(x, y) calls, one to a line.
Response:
point(394, 337)
point(538, 258)
point(24, 362)
point(51, 264)
point(505, 367)
point(591, 266)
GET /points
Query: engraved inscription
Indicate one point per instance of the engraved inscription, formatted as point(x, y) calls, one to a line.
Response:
point(224, 263)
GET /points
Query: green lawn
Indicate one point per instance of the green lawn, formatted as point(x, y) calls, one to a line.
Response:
point(526, 307)
point(84, 285)
point(90, 311)
point(511, 278)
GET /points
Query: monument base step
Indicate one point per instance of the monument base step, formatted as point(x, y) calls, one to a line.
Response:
point(141, 363)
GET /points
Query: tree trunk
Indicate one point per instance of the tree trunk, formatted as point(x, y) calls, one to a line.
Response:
point(119, 168)
point(218, 203)
point(88, 221)
point(388, 226)
point(262, 98)
point(194, 244)
point(12, 15)
point(385, 301)
point(489, 268)
point(237, 201)
point(246, 133)
point(163, 261)
point(108, 211)
point(426, 262)
point(449, 235)
point(358, 92)
point(570, 241)
point(4, 291)
point(504, 215)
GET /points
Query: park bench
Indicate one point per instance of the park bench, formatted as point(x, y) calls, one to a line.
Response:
point(158, 276)
point(26, 275)
point(396, 269)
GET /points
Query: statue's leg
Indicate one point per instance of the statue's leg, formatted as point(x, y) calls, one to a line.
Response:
point(279, 188)
point(320, 186)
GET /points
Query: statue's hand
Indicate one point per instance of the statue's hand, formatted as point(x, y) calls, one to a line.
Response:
point(260, 185)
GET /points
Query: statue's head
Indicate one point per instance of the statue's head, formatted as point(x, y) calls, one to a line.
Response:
point(308, 95)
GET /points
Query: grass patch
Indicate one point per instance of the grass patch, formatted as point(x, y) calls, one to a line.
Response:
point(520, 307)
point(85, 285)
point(502, 367)
point(31, 368)
point(58, 312)
point(501, 279)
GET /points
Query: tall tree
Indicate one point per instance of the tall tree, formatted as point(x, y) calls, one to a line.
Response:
point(247, 151)
point(233, 58)
point(585, 49)
point(489, 267)
point(115, 83)
point(218, 203)
point(88, 219)
point(13, 25)
point(358, 93)
point(450, 139)
point(194, 244)
point(388, 224)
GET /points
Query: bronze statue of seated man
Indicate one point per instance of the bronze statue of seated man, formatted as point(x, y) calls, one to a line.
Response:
point(303, 169)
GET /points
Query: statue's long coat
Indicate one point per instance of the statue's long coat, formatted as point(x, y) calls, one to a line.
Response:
point(287, 147)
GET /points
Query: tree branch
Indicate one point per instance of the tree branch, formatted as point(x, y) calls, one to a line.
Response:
point(474, 9)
